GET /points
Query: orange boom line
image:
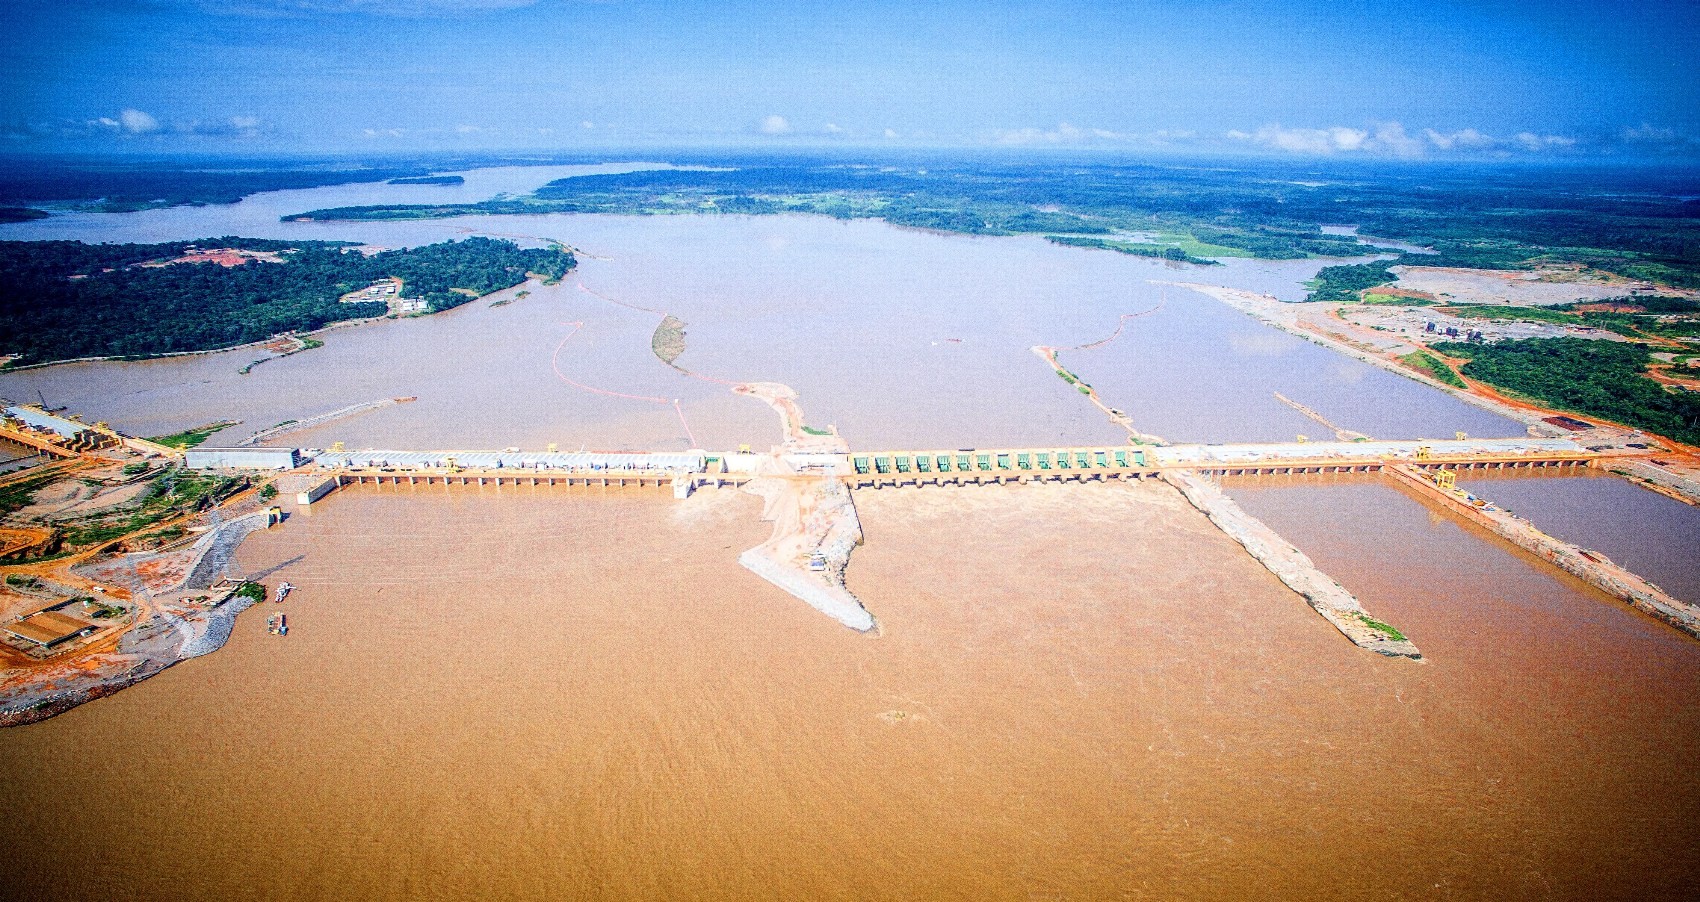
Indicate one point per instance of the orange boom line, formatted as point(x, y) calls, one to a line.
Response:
point(555, 364)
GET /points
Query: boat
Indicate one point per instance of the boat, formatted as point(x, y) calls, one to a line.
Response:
point(277, 625)
point(284, 590)
point(817, 562)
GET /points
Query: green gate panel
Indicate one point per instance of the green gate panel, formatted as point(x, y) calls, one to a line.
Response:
point(861, 464)
point(984, 461)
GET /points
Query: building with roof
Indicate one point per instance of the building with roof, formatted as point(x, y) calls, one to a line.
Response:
point(45, 629)
point(242, 458)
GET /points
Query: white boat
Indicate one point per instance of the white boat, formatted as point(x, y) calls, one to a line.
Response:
point(284, 590)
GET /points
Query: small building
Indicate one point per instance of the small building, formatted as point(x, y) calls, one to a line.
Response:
point(242, 458)
point(47, 628)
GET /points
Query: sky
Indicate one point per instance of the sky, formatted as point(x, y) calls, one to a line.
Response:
point(1435, 80)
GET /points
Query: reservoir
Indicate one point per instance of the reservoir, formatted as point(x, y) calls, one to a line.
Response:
point(900, 338)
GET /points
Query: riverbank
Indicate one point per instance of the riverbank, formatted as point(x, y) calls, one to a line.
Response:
point(169, 612)
point(1284, 316)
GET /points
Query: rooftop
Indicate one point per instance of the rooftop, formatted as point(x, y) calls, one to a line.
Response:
point(46, 628)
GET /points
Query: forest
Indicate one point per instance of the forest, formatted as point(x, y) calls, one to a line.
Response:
point(1600, 378)
point(62, 300)
point(119, 185)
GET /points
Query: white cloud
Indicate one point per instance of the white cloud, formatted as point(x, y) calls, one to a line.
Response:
point(1062, 134)
point(774, 125)
point(137, 122)
point(1464, 139)
point(244, 123)
point(1307, 140)
point(587, 124)
point(832, 129)
point(1390, 139)
point(1392, 136)
point(1066, 134)
point(1532, 141)
point(1648, 134)
point(891, 133)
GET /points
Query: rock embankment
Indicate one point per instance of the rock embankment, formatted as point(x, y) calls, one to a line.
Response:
point(813, 518)
point(1591, 567)
point(168, 631)
point(1293, 568)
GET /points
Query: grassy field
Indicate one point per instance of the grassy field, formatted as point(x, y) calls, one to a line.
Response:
point(189, 438)
point(1428, 364)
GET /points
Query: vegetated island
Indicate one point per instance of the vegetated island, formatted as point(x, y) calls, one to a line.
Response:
point(429, 180)
point(1625, 222)
point(66, 300)
point(1138, 207)
point(21, 214)
point(119, 186)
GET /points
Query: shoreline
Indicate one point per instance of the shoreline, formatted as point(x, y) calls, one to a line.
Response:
point(158, 639)
point(298, 336)
point(1263, 309)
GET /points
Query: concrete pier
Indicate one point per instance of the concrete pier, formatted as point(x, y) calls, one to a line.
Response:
point(1293, 568)
point(1590, 566)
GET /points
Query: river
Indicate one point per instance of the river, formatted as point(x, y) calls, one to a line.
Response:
point(1078, 692)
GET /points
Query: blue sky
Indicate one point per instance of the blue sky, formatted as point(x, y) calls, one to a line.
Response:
point(1320, 78)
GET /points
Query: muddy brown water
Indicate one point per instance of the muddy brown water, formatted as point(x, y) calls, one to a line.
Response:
point(1080, 692)
point(1655, 536)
